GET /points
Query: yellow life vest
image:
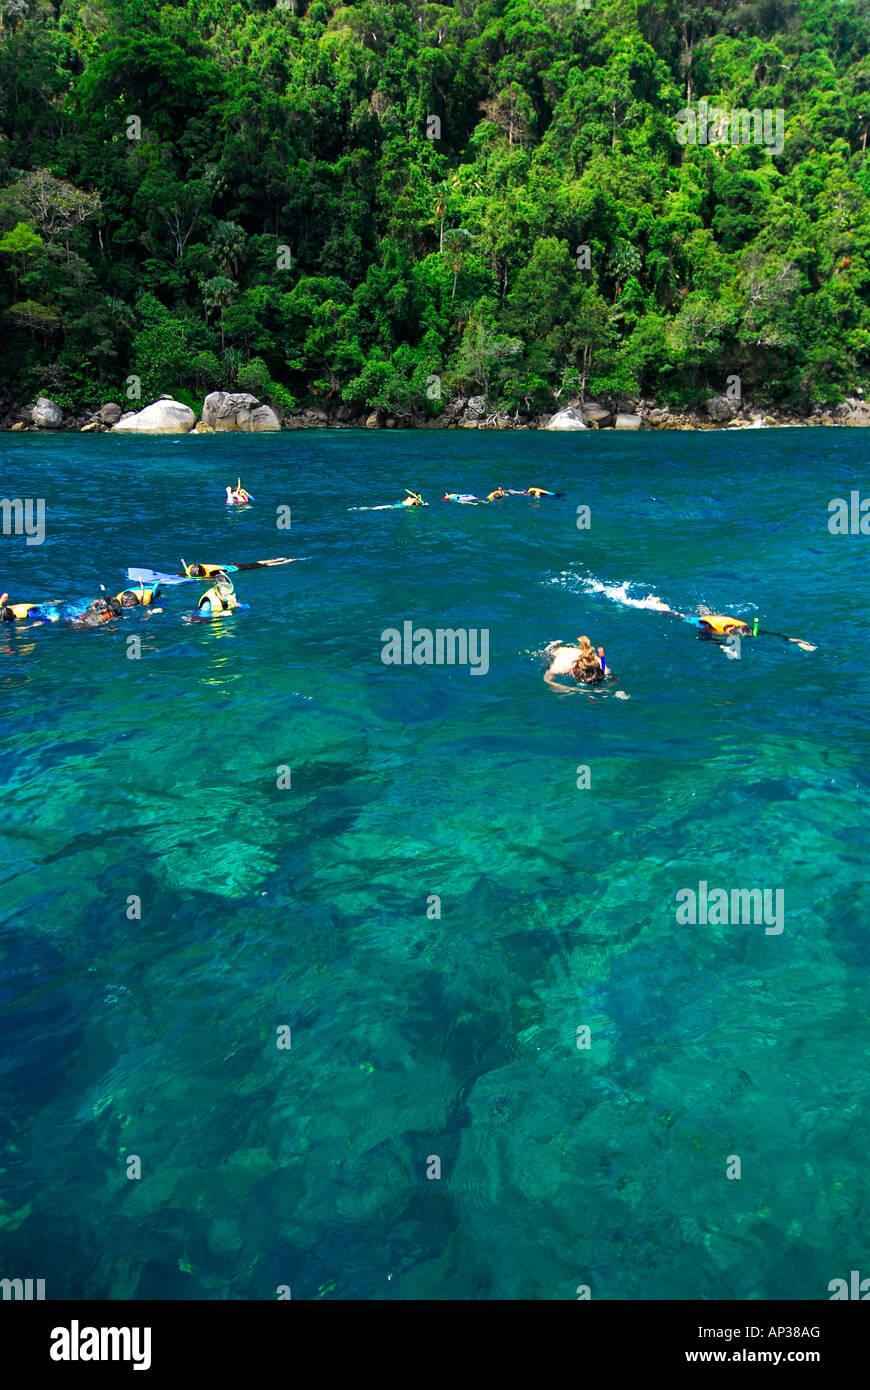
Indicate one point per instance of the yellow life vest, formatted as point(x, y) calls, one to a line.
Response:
point(143, 596)
point(21, 610)
point(536, 491)
point(207, 570)
point(721, 624)
point(214, 601)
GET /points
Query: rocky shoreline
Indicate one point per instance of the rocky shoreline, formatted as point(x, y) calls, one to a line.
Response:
point(225, 411)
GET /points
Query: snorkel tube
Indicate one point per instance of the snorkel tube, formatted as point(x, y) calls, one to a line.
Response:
point(755, 627)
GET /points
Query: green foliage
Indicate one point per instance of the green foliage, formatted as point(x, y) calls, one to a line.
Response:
point(380, 386)
point(254, 377)
point(220, 192)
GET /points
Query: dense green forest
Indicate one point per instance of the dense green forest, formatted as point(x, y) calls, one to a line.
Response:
point(345, 202)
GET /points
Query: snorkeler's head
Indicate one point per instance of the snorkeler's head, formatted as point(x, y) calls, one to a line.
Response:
point(587, 667)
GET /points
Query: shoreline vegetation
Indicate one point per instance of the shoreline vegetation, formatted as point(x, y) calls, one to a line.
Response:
point(388, 210)
point(226, 412)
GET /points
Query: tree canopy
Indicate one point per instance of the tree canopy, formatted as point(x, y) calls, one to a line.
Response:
point(339, 202)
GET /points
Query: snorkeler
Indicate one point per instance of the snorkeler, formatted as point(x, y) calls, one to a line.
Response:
point(713, 626)
point(413, 499)
point(220, 598)
point(101, 610)
point(538, 493)
point(236, 496)
point(469, 499)
point(134, 598)
point(27, 612)
point(152, 578)
point(587, 666)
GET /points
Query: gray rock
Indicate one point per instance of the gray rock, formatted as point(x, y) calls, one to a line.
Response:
point(163, 417)
point(476, 407)
point(47, 415)
point(721, 408)
point(264, 418)
point(233, 410)
point(597, 415)
point(373, 421)
point(628, 422)
point(569, 419)
point(110, 413)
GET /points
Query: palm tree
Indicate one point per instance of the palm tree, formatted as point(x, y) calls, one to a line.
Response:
point(227, 243)
point(217, 293)
point(458, 242)
point(440, 213)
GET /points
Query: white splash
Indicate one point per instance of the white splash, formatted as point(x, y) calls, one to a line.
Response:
point(618, 593)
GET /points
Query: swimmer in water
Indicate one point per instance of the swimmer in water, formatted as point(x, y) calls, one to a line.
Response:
point(587, 666)
point(221, 597)
point(237, 496)
point(469, 499)
point(101, 610)
point(138, 597)
point(35, 613)
point(413, 499)
point(716, 626)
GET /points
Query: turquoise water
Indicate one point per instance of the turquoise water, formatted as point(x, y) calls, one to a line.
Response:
point(415, 1036)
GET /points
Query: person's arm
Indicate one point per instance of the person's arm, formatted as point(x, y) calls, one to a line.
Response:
point(798, 641)
point(550, 678)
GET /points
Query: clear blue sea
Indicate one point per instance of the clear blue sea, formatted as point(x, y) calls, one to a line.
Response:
point(414, 1036)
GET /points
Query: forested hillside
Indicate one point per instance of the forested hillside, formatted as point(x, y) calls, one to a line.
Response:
point(332, 202)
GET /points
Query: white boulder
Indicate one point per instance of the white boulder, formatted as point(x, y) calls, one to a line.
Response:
point(46, 415)
point(628, 422)
point(237, 410)
point(568, 419)
point(163, 417)
point(264, 418)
